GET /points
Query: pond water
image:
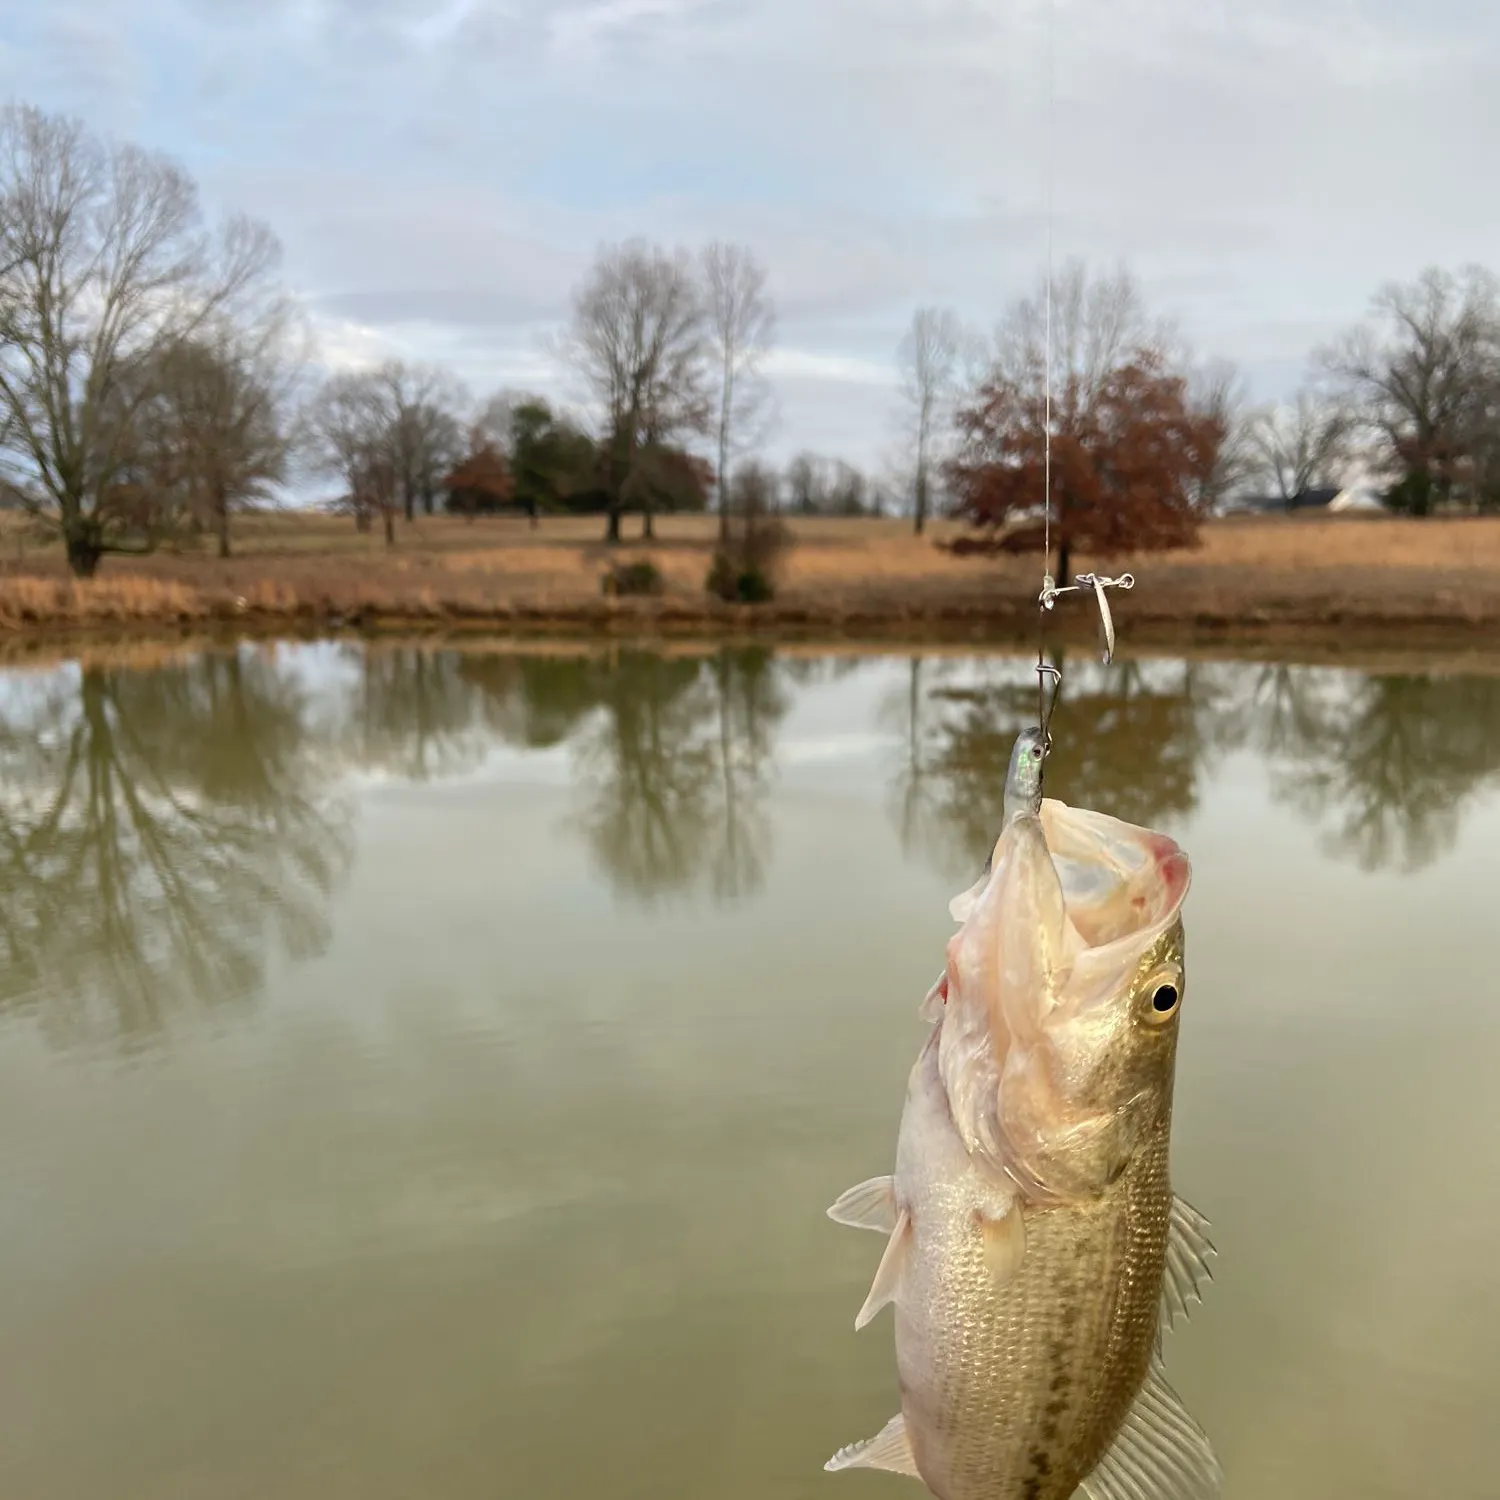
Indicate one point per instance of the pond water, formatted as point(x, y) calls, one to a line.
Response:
point(424, 1073)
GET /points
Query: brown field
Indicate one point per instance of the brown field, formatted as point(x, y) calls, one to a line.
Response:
point(1432, 579)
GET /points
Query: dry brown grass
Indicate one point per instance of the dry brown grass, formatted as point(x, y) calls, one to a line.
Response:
point(851, 575)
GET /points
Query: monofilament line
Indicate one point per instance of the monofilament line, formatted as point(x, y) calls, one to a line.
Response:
point(1048, 158)
point(1043, 707)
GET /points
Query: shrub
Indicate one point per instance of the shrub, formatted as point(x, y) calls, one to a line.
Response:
point(642, 577)
point(747, 562)
point(754, 587)
point(723, 581)
point(737, 582)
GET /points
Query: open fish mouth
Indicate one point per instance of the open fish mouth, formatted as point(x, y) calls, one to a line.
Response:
point(1051, 938)
point(1121, 888)
point(1072, 900)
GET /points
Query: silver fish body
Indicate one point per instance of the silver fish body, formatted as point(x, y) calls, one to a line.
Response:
point(1035, 1249)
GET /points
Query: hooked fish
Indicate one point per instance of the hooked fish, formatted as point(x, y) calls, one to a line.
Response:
point(1036, 1252)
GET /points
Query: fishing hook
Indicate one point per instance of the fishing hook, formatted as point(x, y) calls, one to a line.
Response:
point(1081, 584)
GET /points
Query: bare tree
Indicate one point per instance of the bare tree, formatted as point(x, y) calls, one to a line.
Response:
point(424, 407)
point(741, 324)
point(349, 428)
point(1217, 392)
point(106, 268)
point(493, 423)
point(218, 429)
point(1301, 445)
point(638, 338)
point(1422, 375)
point(928, 358)
point(805, 484)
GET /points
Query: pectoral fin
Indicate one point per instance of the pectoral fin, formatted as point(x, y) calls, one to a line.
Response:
point(887, 1281)
point(1004, 1244)
point(889, 1449)
point(933, 1003)
point(870, 1205)
point(1159, 1454)
point(1187, 1268)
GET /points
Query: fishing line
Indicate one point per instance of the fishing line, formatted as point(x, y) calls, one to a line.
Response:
point(1043, 671)
point(1053, 589)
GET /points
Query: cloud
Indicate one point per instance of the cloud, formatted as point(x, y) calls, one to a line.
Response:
point(441, 172)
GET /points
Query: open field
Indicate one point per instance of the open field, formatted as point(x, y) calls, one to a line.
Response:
point(1433, 579)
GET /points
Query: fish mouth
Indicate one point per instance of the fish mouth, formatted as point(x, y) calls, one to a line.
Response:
point(1072, 903)
point(1122, 887)
point(1070, 896)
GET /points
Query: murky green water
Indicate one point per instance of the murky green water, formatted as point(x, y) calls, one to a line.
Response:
point(425, 1074)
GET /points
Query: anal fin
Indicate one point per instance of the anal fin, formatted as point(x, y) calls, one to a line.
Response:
point(1160, 1452)
point(887, 1281)
point(1187, 1268)
point(889, 1449)
point(870, 1205)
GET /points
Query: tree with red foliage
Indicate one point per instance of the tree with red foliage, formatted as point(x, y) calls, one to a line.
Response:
point(482, 482)
point(1130, 450)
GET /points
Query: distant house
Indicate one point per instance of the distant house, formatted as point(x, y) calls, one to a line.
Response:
point(1331, 499)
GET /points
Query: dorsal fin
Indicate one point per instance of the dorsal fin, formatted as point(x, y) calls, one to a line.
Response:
point(1187, 1268)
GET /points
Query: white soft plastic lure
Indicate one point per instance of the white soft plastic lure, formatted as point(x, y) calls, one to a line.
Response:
point(1035, 1250)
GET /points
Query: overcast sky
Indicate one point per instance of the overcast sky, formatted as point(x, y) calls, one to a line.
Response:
point(440, 173)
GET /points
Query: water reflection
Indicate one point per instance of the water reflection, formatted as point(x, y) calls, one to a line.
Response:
point(159, 830)
point(412, 713)
point(1133, 739)
point(673, 771)
point(155, 829)
point(1384, 765)
point(671, 754)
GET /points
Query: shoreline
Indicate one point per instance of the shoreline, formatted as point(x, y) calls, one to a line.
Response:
point(1369, 643)
point(1319, 585)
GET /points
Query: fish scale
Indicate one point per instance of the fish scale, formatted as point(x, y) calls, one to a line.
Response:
point(1036, 1253)
point(982, 1412)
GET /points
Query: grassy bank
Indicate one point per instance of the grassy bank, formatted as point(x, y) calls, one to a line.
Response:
point(1248, 579)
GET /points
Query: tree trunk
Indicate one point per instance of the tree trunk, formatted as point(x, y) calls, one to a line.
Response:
point(221, 516)
point(428, 499)
point(1064, 561)
point(84, 551)
point(724, 480)
point(648, 532)
point(409, 498)
point(612, 526)
point(919, 508)
point(390, 526)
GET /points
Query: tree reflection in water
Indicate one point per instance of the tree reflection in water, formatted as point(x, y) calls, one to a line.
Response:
point(1385, 765)
point(412, 712)
point(1128, 740)
point(160, 829)
point(673, 771)
point(155, 828)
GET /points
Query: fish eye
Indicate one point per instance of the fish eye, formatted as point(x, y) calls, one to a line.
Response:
point(1165, 992)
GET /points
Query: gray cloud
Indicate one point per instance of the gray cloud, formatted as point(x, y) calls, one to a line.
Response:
point(441, 172)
